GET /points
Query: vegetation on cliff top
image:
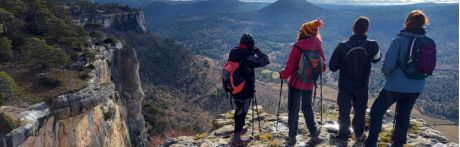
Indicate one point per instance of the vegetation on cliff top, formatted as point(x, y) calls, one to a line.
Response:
point(8, 123)
point(38, 41)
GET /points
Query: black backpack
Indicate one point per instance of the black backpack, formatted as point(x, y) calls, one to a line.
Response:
point(357, 63)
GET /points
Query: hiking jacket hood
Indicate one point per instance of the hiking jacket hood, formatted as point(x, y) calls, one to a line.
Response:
point(248, 61)
point(292, 65)
point(396, 81)
point(338, 60)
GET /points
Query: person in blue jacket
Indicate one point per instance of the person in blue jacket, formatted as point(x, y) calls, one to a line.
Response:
point(398, 88)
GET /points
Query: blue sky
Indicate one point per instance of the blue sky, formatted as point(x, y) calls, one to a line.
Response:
point(366, 1)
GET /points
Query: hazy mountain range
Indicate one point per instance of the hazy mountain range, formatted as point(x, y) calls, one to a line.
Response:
point(213, 32)
point(143, 3)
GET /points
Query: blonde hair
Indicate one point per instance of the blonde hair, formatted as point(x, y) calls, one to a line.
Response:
point(416, 19)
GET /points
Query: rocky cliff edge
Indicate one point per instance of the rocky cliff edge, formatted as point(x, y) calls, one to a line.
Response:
point(420, 133)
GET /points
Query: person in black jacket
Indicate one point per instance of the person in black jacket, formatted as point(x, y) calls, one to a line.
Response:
point(249, 57)
point(353, 90)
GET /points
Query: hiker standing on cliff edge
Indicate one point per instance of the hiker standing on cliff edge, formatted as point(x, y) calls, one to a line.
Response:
point(410, 59)
point(300, 86)
point(353, 58)
point(240, 66)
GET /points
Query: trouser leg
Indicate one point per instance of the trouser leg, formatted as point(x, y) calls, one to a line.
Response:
point(378, 109)
point(359, 118)
point(308, 111)
point(293, 114)
point(404, 106)
point(344, 103)
point(242, 108)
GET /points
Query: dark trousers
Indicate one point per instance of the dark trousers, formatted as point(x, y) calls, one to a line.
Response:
point(295, 96)
point(404, 104)
point(242, 108)
point(358, 100)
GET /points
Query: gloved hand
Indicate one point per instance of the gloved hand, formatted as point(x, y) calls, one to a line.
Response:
point(280, 72)
point(257, 50)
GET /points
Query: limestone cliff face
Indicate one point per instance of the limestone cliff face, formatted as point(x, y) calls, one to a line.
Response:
point(106, 113)
point(124, 20)
point(125, 69)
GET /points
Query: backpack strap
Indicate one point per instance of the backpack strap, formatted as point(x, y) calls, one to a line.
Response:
point(411, 46)
point(350, 46)
point(298, 47)
point(302, 49)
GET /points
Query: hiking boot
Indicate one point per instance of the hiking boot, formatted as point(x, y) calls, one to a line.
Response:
point(339, 141)
point(290, 142)
point(239, 143)
point(314, 141)
point(360, 141)
point(316, 134)
point(244, 131)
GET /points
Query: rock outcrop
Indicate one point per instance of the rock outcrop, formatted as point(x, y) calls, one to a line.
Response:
point(103, 114)
point(420, 134)
point(123, 20)
point(125, 69)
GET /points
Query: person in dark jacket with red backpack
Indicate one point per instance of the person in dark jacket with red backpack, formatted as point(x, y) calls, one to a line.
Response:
point(353, 58)
point(308, 39)
point(249, 57)
point(411, 58)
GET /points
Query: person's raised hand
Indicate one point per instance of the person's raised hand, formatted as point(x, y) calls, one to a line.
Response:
point(281, 72)
point(256, 50)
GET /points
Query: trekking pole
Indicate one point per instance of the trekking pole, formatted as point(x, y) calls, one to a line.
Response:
point(394, 120)
point(257, 110)
point(314, 103)
point(252, 113)
point(321, 96)
point(231, 103)
point(279, 105)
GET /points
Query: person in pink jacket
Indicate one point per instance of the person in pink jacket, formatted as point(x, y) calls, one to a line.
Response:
point(308, 38)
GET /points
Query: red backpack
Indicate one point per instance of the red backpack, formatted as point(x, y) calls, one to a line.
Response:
point(231, 79)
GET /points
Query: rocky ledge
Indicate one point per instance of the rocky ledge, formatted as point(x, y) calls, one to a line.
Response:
point(420, 133)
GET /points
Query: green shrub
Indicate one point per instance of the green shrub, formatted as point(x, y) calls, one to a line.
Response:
point(385, 136)
point(200, 136)
point(50, 82)
point(110, 40)
point(91, 66)
point(8, 123)
point(38, 51)
point(264, 137)
point(85, 76)
point(97, 36)
point(414, 127)
point(5, 49)
point(156, 118)
point(8, 87)
point(89, 55)
point(93, 26)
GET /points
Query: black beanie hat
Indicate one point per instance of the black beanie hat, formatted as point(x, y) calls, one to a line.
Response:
point(247, 40)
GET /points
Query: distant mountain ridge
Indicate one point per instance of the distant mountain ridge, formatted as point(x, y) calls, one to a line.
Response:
point(291, 6)
point(202, 7)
